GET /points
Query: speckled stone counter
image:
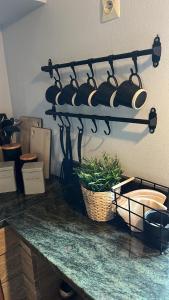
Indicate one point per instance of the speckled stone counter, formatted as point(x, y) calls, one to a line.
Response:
point(106, 263)
point(13, 203)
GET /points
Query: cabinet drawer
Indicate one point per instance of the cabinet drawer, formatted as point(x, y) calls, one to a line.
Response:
point(14, 289)
point(8, 240)
point(27, 265)
point(10, 265)
point(30, 289)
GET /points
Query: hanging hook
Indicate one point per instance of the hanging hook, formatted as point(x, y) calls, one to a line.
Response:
point(112, 75)
point(134, 58)
point(94, 122)
point(74, 72)
point(91, 77)
point(112, 68)
point(63, 125)
point(67, 118)
point(57, 71)
point(57, 81)
point(82, 128)
point(74, 79)
point(53, 111)
point(108, 126)
point(91, 69)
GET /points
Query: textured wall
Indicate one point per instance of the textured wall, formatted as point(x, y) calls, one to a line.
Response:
point(5, 101)
point(70, 30)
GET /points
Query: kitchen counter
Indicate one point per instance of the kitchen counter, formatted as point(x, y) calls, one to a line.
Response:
point(13, 203)
point(103, 262)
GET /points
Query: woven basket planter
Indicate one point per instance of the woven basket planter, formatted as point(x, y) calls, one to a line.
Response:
point(98, 204)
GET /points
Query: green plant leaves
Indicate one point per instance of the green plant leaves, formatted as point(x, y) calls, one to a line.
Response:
point(99, 175)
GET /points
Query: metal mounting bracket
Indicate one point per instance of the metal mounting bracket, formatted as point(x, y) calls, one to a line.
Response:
point(156, 55)
point(152, 120)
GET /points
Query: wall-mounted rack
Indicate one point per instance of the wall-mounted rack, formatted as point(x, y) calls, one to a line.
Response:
point(155, 52)
point(151, 121)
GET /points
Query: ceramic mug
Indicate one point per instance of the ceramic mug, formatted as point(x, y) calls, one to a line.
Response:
point(156, 229)
point(131, 95)
point(53, 92)
point(85, 93)
point(106, 92)
point(68, 93)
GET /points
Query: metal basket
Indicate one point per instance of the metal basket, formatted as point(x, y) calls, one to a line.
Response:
point(141, 184)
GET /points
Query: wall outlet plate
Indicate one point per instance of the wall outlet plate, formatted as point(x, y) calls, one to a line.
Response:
point(110, 10)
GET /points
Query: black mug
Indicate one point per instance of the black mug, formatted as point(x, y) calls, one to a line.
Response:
point(106, 92)
point(86, 92)
point(131, 95)
point(53, 92)
point(68, 93)
point(156, 230)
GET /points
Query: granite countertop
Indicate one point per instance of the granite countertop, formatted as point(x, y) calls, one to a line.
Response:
point(105, 263)
point(14, 203)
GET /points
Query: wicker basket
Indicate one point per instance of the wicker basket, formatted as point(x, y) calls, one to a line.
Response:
point(98, 204)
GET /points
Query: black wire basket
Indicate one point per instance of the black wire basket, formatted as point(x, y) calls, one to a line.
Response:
point(154, 228)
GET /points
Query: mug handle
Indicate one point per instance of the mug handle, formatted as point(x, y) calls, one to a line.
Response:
point(58, 82)
point(73, 80)
point(138, 77)
point(114, 78)
point(93, 82)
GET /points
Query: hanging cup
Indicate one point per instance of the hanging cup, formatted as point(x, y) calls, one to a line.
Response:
point(131, 95)
point(86, 92)
point(106, 92)
point(53, 92)
point(68, 93)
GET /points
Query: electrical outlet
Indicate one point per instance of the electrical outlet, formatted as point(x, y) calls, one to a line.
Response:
point(110, 10)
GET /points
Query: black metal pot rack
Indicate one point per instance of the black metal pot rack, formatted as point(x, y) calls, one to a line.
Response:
point(151, 121)
point(155, 52)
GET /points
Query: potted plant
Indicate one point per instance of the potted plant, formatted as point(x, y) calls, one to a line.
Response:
point(97, 176)
point(7, 128)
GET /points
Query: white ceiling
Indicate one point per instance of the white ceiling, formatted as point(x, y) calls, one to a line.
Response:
point(13, 10)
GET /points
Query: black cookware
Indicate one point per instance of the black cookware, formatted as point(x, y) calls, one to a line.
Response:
point(67, 163)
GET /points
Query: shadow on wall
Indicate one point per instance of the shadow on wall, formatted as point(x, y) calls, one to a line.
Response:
point(90, 140)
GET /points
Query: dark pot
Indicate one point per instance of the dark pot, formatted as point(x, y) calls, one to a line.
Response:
point(156, 234)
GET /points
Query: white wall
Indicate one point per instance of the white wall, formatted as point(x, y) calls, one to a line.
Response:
point(71, 30)
point(5, 101)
